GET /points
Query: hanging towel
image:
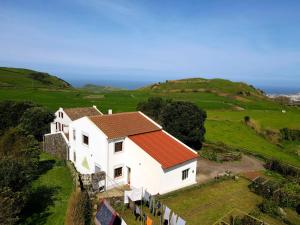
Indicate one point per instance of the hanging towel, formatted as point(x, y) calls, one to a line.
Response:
point(146, 196)
point(180, 221)
point(153, 205)
point(137, 210)
point(150, 203)
point(167, 213)
point(126, 195)
point(173, 219)
point(149, 221)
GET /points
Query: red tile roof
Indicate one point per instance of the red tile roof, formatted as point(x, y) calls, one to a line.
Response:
point(76, 113)
point(163, 148)
point(124, 124)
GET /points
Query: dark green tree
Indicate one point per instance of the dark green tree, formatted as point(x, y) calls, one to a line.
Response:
point(36, 121)
point(185, 121)
point(11, 113)
point(153, 107)
point(10, 206)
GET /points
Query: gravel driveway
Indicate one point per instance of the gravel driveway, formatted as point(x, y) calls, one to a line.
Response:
point(207, 170)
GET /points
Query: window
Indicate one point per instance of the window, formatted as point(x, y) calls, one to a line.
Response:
point(74, 134)
point(85, 139)
point(118, 146)
point(62, 115)
point(185, 174)
point(118, 172)
point(74, 156)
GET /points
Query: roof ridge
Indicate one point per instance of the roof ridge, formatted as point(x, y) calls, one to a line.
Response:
point(79, 107)
point(115, 114)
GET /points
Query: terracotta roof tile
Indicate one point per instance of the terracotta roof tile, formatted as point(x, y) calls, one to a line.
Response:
point(163, 148)
point(123, 124)
point(76, 113)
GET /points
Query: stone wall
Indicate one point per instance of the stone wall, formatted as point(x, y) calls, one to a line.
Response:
point(55, 144)
point(90, 182)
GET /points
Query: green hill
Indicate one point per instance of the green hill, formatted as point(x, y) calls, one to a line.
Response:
point(24, 78)
point(99, 88)
point(219, 86)
point(226, 103)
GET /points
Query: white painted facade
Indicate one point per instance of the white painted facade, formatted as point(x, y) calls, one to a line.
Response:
point(145, 171)
point(61, 122)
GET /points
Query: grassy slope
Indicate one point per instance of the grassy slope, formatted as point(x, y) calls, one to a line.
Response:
point(223, 119)
point(206, 204)
point(24, 78)
point(52, 190)
point(237, 135)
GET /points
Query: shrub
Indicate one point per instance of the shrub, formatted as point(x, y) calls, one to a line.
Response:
point(269, 207)
point(282, 168)
point(11, 204)
point(290, 134)
point(247, 119)
point(79, 209)
point(36, 121)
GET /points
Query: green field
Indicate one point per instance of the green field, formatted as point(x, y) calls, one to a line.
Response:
point(207, 203)
point(226, 103)
point(50, 194)
point(237, 135)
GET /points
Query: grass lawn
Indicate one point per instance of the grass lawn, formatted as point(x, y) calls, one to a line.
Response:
point(268, 119)
point(207, 203)
point(50, 194)
point(237, 135)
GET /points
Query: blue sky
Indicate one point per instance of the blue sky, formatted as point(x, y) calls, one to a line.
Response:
point(253, 41)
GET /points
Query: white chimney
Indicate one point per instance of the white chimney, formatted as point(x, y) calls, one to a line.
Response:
point(109, 111)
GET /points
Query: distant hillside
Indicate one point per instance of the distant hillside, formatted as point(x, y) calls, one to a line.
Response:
point(99, 88)
point(218, 86)
point(24, 78)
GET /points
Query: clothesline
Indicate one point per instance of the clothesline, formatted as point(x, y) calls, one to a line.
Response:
point(155, 207)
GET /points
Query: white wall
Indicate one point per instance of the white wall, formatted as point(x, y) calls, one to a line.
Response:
point(171, 179)
point(95, 153)
point(65, 121)
point(146, 172)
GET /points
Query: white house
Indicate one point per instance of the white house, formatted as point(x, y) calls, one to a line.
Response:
point(132, 149)
point(63, 117)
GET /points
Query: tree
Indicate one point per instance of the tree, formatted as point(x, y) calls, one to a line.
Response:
point(36, 121)
point(185, 121)
point(247, 119)
point(19, 154)
point(16, 144)
point(10, 206)
point(11, 113)
point(153, 107)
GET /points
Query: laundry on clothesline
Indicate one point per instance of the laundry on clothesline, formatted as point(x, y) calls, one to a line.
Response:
point(180, 221)
point(173, 219)
point(167, 214)
point(135, 194)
